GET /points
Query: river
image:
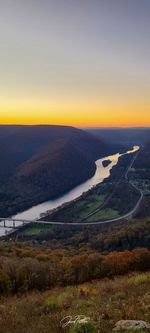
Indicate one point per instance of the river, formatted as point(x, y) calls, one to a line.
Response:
point(101, 173)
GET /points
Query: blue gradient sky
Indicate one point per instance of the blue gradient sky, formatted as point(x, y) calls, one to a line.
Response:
point(75, 62)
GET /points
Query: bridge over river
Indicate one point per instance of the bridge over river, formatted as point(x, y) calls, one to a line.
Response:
point(11, 225)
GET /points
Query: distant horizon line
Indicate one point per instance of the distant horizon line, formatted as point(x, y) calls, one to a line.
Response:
point(88, 127)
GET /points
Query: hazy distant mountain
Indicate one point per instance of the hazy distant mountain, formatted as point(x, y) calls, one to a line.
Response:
point(42, 162)
point(129, 136)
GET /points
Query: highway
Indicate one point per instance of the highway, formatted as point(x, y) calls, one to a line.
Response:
point(13, 223)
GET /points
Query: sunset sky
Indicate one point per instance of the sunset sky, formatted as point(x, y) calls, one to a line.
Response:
point(75, 62)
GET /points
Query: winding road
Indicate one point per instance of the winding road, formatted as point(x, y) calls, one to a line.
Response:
point(125, 216)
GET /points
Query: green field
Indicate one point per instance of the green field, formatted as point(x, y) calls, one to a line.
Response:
point(104, 214)
point(36, 229)
point(74, 212)
point(80, 209)
point(91, 204)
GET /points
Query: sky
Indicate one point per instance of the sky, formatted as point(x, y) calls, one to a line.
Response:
point(75, 62)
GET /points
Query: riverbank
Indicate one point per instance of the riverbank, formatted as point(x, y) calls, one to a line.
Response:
point(99, 176)
point(94, 202)
point(110, 199)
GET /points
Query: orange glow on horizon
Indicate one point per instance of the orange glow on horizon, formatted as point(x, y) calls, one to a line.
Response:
point(101, 121)
point(80, 115)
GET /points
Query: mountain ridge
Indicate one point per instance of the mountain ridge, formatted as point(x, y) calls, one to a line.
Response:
point(33, 157)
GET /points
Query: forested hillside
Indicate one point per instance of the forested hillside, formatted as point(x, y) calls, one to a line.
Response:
point(41, 162)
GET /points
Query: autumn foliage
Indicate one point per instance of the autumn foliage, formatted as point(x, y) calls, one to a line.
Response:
point(36, 268)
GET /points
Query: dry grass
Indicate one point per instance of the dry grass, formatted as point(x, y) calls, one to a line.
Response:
point(105, 302)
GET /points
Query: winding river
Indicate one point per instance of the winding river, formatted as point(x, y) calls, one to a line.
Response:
point(101, 173)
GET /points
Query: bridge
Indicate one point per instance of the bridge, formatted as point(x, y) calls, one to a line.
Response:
point(17, 224)
point(11, 224)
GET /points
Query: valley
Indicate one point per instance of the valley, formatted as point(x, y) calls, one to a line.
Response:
point(85, 265)
point(96, 204)
point(35, 166)
point(111, 195)
point(75, 166)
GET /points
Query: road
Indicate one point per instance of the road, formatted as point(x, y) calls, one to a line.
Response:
point(124, 175)
point(125, 216)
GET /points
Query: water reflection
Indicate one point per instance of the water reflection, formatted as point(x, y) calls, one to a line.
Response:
point(100, 174)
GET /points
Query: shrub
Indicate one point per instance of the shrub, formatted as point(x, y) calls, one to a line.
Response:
point(83, 328)
point(119, 296)
point(140, 278)
point(51, 305)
